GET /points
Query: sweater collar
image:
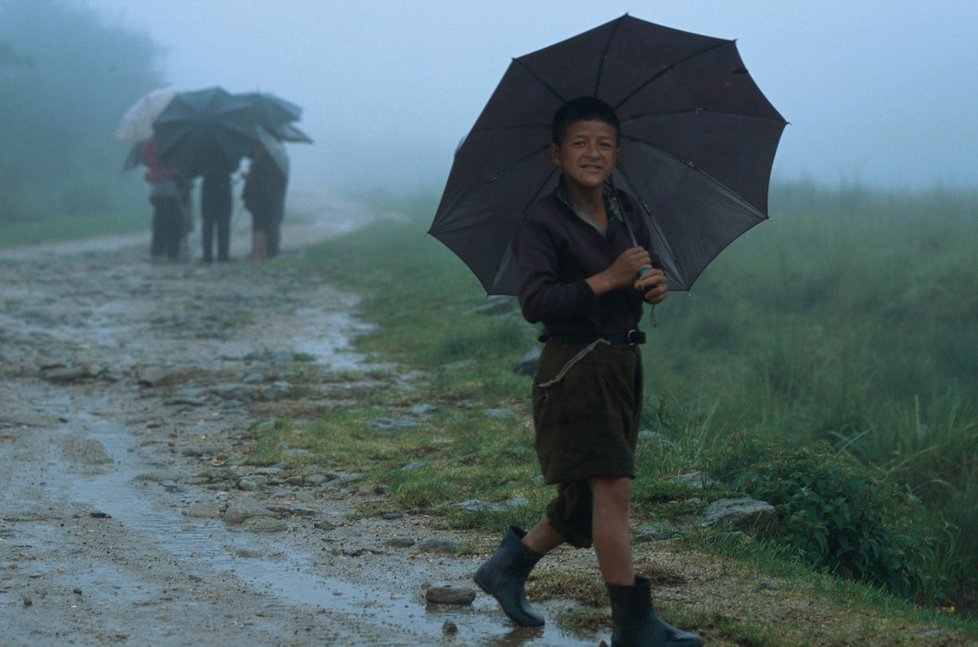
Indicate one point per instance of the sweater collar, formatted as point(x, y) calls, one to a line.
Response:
point(611, 207)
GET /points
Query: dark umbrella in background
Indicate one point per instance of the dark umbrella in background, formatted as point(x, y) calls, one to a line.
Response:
point(698, 143)
point(275, 150)
point(205, 131)
point(276, 115)
point(290, 133)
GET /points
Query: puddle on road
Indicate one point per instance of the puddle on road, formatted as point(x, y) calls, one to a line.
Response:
point(327, 334)
point(274, 565)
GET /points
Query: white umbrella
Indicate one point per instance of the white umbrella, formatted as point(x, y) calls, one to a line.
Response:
point(137, 124)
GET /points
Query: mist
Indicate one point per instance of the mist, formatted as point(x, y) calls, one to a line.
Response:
point(878, 93)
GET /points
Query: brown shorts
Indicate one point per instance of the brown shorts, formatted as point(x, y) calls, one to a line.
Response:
point(586, 426)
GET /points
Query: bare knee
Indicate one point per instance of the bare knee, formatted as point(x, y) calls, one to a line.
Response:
point(615, 492)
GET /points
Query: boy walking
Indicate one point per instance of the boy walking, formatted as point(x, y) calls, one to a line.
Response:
point(585, 270)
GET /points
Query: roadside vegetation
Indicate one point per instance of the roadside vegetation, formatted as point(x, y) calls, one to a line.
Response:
point(824, 363)
point(41, 230)
point(67, 74)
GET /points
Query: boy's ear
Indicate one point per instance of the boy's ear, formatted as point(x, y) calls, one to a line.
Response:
point(554, 153)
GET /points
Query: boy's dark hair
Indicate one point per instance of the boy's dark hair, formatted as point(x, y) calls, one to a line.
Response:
point(582, 109)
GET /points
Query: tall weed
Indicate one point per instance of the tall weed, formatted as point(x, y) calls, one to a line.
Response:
point(848, 319)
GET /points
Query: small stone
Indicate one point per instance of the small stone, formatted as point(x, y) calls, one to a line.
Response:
point(243, 509)
point(694, 480)
point(316, 479)
point(447, 546)
point(456, 596)
point(528, 364)
point(263, 524)
point(400, 541)
point(750, 515)
point(385, 427)
point(656, 531)
point(67, 374)
point(202, 511)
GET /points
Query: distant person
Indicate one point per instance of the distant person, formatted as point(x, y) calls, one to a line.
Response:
point(264, 197)
point(215, 216)
point(166, 193)
point(187, 219)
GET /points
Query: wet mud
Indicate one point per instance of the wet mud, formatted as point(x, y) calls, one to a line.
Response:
point(124, 388)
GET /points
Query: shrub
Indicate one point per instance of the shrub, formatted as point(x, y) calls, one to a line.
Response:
point(844, 517)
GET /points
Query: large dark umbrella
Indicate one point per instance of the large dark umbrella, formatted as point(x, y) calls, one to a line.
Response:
point(205, 131)
point(276, 115)
point(698, 142)
point(290, 133)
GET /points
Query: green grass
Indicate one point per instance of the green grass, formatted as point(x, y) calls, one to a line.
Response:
point(845, 325)
point(47, 230)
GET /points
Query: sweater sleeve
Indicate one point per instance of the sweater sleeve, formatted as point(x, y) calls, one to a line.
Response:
point(542, 295)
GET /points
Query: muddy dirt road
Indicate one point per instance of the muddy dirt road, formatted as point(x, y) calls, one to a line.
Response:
point(126, 389)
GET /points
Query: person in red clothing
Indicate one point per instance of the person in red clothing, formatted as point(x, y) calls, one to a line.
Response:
point(585, 268)
point(167, 191)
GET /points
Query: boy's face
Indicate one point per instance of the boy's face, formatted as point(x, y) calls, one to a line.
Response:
point(588, 153)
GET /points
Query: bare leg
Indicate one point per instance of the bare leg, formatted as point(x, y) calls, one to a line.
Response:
point(542, 538)
point(610, 529)
point(259, 247)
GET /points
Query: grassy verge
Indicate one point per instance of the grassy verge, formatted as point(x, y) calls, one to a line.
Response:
point(814, 365)
point(31, 232)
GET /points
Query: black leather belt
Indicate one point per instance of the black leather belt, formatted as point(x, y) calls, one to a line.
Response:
point(632, 338)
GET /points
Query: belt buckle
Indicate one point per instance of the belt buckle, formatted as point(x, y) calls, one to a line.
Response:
point(634, 337)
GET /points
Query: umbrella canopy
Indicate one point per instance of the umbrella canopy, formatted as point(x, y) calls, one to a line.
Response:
point(275, 150)
point(205, 132)
point(133, 157)
point(698, 143)
point(290, 133)
point(276, 115)
point(136, 124)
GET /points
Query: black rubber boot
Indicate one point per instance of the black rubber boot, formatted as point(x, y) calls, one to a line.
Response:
point(503, 576)
point(636, 624)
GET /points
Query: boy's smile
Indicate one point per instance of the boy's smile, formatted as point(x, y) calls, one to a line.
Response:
point(588, 153)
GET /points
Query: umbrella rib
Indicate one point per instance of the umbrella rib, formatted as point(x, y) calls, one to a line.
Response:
point(495, 176)
point(604, 54)
point(662, 71)
point(692, 165)
point(462, 224)
point(539, 79)
point(688, 111)
point(486, 129)
point(669, 254)
point(507, 256)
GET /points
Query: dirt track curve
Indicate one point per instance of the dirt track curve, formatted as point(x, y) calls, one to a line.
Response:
point(126, 388)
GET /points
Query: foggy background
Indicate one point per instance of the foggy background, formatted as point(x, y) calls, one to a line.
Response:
point(879, 93)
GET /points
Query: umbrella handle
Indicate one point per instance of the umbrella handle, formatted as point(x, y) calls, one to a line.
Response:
point(655, 324)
